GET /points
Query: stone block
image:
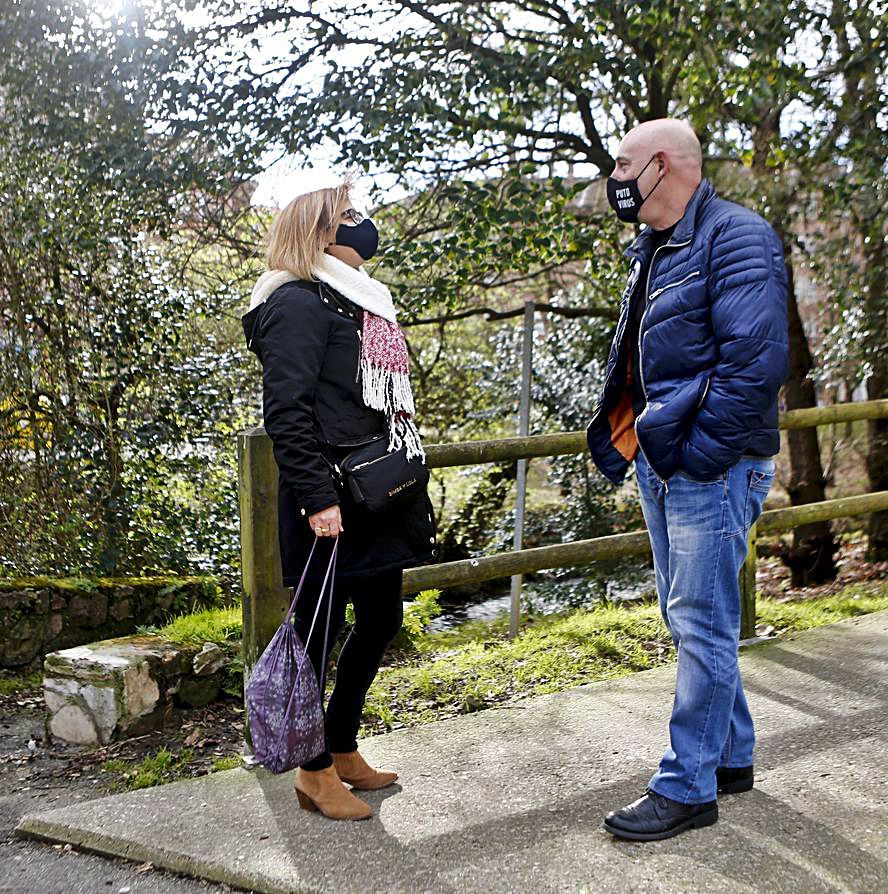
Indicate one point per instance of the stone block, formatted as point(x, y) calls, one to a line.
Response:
point(74, 725)
point(140, 691)
point(124, 686)
point(195, 692)
point(24, 642)
point(121, 609)
point(88, 610)
point(209, 660)
point(54, 628)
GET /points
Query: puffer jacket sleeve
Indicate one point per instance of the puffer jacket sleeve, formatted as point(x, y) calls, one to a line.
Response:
point(293, 344)
point(748, 285)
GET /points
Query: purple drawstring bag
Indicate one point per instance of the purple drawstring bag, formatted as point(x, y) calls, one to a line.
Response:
point(284, 705)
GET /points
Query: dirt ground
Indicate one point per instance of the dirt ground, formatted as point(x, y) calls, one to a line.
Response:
point(37, 776)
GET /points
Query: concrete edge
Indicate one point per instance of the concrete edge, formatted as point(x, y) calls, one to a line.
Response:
point(35, 827)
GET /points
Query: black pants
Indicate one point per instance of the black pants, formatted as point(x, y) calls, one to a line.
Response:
point(379, 613)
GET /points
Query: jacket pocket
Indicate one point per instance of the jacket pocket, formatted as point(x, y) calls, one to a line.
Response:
point(671, 285)
point(705, 392)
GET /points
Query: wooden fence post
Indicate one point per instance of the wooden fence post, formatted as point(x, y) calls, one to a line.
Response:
point(265, 600)
point(747, 589)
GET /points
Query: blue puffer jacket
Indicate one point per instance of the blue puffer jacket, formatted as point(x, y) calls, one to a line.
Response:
point(714, 348)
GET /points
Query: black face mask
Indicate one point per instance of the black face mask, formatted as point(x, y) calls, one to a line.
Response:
point(363, 238)
point(626, 198)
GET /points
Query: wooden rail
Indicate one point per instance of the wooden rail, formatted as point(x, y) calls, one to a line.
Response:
point(617, 546)
point(265, 599)
point(470, 453)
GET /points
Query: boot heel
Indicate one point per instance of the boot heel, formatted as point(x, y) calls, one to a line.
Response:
point(736, 788)
point(305, 802)
point(710, 818)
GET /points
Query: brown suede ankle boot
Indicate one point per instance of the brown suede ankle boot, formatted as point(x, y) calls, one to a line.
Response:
point(353, 769)
point(323, 790)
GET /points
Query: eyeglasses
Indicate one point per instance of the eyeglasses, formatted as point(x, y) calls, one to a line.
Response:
point(354, 216)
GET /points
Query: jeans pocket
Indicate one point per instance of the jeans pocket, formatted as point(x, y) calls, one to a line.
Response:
point(760, 481)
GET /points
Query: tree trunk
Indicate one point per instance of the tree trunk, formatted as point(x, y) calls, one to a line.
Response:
point(810, 557)
point(114, 500)
point(877, 389)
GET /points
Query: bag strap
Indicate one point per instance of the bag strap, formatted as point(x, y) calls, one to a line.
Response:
point(289, 616)
point(327, 627)
point(331, 565)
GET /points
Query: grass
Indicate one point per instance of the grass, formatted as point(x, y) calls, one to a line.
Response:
point(212, 625)
point(475, 666)
point(156, 769)
point(231, 762)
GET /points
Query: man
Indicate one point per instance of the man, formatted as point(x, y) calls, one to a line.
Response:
point(690, 395)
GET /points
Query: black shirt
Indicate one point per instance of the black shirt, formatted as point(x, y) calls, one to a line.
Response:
point(636, 312)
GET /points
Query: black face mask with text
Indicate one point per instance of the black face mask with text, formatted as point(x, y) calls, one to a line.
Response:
point(625, 197)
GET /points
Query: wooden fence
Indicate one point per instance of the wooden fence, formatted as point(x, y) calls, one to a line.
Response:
point(265, 599)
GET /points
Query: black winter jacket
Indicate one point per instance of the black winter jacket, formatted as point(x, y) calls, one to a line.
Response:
point(308, 338)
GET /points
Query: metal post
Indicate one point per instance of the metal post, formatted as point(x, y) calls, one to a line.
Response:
point(747, 589)
point(523, 430)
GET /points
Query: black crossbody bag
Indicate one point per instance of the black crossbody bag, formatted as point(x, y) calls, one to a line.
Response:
point(379, 480)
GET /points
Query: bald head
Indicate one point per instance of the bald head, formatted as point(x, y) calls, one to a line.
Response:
point(673, 137)
point(666, 157)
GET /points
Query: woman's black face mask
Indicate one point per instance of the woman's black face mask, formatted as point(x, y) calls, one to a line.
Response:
point(363, 238)
point(625, 197)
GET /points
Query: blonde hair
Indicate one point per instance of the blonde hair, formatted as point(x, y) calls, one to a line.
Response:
point(298, 235)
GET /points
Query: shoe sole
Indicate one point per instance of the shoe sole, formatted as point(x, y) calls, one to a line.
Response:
point(700, 821)
point(736, 788)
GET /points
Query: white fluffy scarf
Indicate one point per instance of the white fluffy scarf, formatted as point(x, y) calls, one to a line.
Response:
point(384, 359)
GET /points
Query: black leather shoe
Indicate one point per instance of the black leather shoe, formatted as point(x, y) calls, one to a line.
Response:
point(733, 780)
point(653, 817)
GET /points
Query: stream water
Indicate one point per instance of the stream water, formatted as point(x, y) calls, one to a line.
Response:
point(622, 581)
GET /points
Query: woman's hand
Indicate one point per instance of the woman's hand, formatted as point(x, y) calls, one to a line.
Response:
point(327, 522)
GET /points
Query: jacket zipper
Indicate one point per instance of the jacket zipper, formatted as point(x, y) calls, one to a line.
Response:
point(672, 285)
point(647, 301)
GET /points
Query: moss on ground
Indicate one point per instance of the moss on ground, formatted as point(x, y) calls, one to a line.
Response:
point(11, 683)
point(155, 769)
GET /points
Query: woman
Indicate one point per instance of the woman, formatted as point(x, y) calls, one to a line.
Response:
point(334, 370)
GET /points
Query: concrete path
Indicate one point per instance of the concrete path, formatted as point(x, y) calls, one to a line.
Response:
point(511, 800)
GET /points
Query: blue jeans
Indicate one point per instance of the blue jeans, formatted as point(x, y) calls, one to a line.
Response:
point(699, 532)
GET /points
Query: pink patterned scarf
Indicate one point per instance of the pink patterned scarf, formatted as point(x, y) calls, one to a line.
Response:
point(384, 358)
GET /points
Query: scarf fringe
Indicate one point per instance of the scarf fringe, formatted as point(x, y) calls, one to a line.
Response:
point(403, 433)
point(385, 390)
point(390, 393)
